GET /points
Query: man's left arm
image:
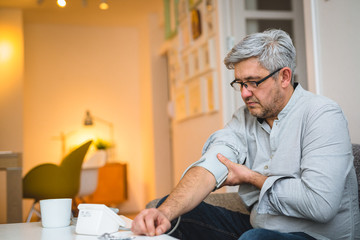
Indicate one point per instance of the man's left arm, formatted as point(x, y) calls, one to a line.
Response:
point(324, 166)
point(239, 174)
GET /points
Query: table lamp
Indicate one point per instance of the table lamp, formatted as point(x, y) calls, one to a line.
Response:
point(89, 121)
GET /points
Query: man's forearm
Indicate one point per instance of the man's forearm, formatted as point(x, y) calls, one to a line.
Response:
point(257, 179)
point(190, 191)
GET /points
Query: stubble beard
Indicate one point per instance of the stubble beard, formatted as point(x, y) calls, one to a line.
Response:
point(270, 110)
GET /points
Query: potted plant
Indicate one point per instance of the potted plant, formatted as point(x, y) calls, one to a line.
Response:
point(101, 144)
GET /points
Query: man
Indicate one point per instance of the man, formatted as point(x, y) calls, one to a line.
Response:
point(288, 149)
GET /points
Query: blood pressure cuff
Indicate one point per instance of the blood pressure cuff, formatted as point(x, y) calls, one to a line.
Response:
point(210, 162)
point(229, 143)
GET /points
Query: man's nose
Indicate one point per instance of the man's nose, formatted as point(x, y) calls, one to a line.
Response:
point(245, 93)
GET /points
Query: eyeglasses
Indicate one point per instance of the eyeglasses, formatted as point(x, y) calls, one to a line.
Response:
point(250, 85)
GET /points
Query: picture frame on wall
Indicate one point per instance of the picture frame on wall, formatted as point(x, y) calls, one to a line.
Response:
point(210, 23)
point(210, 5)
point(193, 3)
point(204, 57)
point(186, 66)
point(184, 33)
point(172, 54)
point(195, 61)
point(171, 18)
point(211, 94)
point(182, 9)
point(181, 111)
point(195, 97)
point(207, 56)
point(196, 28)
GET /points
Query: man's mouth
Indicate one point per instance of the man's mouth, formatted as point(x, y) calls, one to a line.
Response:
point(251, 103)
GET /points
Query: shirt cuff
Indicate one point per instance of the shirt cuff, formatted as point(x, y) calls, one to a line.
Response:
point(210, 162)
point(264, 206)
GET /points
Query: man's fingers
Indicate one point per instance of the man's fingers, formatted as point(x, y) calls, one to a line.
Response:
point(150, 222)
point(160, 230)
point(150, 225)
point(223, 159)
point(162, 225)
point(138, 226)
point(144, 223)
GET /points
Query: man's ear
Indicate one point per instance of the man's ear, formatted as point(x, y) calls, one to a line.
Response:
point(285, 76)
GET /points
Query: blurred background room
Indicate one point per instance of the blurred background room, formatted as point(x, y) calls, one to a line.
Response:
point(145, 80)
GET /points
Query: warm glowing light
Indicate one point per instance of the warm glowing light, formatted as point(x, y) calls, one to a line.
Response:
point(6, 50)
point(103, 6)
point(76, 138)
point(61, 3)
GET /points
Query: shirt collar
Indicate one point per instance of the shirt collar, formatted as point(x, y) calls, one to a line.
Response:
point(298, 91)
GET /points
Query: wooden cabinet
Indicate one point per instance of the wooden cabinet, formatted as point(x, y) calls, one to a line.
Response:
point(112, 185)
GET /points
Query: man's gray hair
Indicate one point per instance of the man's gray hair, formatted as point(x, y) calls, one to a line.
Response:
point(273, 48)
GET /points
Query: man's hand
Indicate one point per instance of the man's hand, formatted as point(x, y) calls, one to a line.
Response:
point(196, 184)
point(150, 222)
point(239, 174)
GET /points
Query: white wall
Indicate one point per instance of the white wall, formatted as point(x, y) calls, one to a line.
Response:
point(336, 54)
point(11, 79)
point(78, 59)
point(189, 138)
point(11, 90)
point(70, 69)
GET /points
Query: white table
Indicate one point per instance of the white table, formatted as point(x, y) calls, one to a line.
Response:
point(34, 231)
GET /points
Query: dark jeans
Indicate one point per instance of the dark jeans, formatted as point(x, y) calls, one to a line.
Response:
point(211, 222)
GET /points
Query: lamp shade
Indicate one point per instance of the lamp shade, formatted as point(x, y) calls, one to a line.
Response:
point(88, 121)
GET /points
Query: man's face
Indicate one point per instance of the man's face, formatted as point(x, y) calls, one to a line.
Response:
point(267, 100)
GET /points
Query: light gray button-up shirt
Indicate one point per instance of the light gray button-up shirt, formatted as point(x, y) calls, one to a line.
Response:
point(307, 156)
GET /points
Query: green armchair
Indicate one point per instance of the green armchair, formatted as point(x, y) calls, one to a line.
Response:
point(47, 181)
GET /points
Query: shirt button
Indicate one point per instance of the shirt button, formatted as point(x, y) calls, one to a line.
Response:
point(266, 167)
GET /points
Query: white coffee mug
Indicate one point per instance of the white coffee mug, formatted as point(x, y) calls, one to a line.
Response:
point(55, 212)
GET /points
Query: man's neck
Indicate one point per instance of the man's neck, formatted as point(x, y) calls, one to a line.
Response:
point(270, 121)
point(287, 97)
